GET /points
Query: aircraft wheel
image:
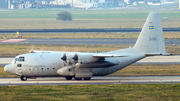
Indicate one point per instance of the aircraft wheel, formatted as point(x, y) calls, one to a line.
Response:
point(68, 77)
point(87, 78)
point(78, 78)
point(23, 78)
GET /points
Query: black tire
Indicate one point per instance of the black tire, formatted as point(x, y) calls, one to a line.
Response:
point(23, 78)
point(78, 78)
point(87, 78)
point(68, 77)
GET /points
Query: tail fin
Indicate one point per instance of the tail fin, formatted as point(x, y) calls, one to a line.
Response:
point(151, 39)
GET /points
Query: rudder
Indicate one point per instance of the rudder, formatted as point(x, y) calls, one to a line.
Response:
point(151, 39)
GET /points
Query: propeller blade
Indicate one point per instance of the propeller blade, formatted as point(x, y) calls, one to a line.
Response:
point(64, 57)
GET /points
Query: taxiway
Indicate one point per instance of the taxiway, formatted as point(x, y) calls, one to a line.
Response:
point(84, 41)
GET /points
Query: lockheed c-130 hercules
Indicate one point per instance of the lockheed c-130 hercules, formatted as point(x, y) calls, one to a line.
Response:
point(79, 65)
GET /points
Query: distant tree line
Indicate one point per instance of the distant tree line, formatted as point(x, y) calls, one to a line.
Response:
point(64, 16)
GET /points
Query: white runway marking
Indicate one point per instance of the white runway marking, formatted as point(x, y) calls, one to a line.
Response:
point(14, 40)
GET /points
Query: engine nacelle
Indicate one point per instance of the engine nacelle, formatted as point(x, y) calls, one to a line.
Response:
point(79, 58)
point(86, 58)
point(68, 58)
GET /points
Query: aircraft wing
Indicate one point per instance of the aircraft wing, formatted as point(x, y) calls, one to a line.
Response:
point(107, 55)
point(40, 51)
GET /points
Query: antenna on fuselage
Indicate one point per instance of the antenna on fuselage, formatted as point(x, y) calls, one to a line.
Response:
point(32, 49)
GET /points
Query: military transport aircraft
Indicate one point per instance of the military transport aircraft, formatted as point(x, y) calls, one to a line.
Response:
point(80, 65)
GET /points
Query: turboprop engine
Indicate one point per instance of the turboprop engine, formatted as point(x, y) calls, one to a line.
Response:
point(79, 65)
point(84, 58)
point(68, 58)
point(79, 58)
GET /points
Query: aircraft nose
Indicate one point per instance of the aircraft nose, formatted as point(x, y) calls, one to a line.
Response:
point(9, 69)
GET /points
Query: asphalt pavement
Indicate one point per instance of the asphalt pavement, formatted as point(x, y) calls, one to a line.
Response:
point(88, 41)
point(94, 80)
point(82, 30)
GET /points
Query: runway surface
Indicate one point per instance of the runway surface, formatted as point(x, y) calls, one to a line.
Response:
point(148, 60)
point(87, 41)
point(94, 80)
point(81, 30)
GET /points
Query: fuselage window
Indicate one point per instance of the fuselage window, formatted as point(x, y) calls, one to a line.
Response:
point(47, 68)
point(53, 68)
point(19, 65)
point(41, 68)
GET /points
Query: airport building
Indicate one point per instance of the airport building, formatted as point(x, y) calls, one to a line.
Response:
point(3, 4)
point(25, 4)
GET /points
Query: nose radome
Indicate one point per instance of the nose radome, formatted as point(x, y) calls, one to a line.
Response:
point(9, 69)
point(5, 68)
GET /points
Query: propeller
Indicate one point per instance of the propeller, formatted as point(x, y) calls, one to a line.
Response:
point(64, 58)
point(75, 58)
point(64, 49)
point(70, 59)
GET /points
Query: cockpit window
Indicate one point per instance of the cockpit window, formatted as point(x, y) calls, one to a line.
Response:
point(15, 59)
point(20, 59)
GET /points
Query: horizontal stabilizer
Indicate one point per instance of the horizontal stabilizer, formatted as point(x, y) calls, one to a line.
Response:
point(156, 54)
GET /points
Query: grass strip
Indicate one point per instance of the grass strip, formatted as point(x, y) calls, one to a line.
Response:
point(142, 92)
point(99, 18)
point(106, 35)
point(14, 49)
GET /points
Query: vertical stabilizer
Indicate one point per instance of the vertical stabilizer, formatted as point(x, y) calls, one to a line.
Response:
point(151, 39)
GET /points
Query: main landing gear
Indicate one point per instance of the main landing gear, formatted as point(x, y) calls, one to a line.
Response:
point(23, 78)
point(70, 78)
point(81, 78)
point(78, 78)
point(87, 78)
